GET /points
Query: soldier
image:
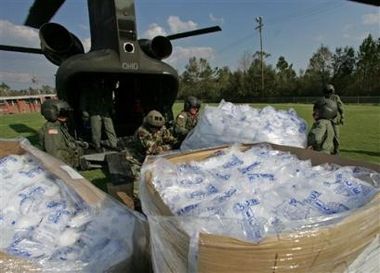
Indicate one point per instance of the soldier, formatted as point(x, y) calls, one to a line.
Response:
point(322, 136)
point(55, 138)
point(151, 138)
point(96, 102)
point(329, 93)
point(187, 119)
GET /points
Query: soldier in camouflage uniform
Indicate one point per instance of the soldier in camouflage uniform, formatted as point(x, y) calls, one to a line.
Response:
point(187, 119)
point(329, 93)
point(322, 136)
point(151, 138)
point(97, 103)
point(55, 138)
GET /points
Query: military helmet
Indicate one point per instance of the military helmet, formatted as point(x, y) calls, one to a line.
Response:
point(329, 89)
point(190, 102)
point(326, 108)
point(52, 109)
point(155, 119)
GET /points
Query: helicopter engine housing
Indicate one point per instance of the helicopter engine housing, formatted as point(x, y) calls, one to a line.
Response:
point(159, 47)
point(58, 44)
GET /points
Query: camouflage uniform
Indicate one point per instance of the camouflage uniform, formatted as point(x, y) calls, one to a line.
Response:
point(322, 137)
point(56, 140)
point(184, 123)
point(187, 119)
point(144, 143)
point(339, 120)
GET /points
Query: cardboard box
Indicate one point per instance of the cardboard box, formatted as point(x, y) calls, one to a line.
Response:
point(93, 196)
point(323, 249)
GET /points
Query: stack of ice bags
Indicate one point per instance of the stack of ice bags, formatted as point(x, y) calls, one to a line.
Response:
point(229, 123)
point(43, 220)
point(261, 191)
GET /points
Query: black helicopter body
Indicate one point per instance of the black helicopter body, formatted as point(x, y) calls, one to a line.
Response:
point(117, 55)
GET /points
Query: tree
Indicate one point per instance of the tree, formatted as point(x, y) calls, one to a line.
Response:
point(4, 89)
point(199, 79)
point(344, 62)
point(368, 66)
point(245, 61)
point(286, 82)
point(253, 77)
point(223, 76)
point(319, 71)
point(46, 89)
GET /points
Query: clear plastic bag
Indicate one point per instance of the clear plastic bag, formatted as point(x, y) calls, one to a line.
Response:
point(53, 220)
point(261, 210)
point(229, 123)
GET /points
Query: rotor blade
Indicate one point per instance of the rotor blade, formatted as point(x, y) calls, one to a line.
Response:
point(21, 49)
point(370, 2)
point(194, 32)
point(42, 11)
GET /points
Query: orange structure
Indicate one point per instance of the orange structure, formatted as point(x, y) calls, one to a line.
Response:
point(23, 104)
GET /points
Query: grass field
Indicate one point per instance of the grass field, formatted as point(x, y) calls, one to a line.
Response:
point(360, 136)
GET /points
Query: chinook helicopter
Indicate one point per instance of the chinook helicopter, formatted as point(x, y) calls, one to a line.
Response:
point(117, 55)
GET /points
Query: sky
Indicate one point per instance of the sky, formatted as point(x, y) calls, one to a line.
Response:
point(294, 29)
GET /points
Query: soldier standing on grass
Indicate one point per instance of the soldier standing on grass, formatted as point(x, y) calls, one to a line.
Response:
point(54, 135)
point(322, 135)
point(329, 92)
point(96, 102)
point(187, 119)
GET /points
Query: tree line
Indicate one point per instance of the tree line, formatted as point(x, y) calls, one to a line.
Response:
point(353, 73)
point(5, 90)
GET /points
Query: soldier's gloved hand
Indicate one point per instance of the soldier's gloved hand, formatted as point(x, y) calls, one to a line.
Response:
point(342, 121)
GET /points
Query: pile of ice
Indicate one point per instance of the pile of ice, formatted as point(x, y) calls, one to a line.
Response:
point(229, 123)
point(261, 191)
point(43, 220)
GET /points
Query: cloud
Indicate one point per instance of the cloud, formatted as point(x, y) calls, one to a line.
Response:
point(12, 34)
point(215, 19)
point(371, 19)
point(176, 25)
point(181, 55)
point(154, 30)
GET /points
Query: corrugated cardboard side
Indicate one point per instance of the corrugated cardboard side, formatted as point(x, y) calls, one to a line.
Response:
point(323, 249)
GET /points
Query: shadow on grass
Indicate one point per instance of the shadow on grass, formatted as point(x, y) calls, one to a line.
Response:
point(22, 128)
point(370, 153)
point(25, 129)
point(100, 183)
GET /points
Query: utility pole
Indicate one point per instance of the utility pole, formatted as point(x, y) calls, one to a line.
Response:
point(259, 20)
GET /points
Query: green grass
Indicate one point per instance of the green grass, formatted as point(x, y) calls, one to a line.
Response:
point(360, 136)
